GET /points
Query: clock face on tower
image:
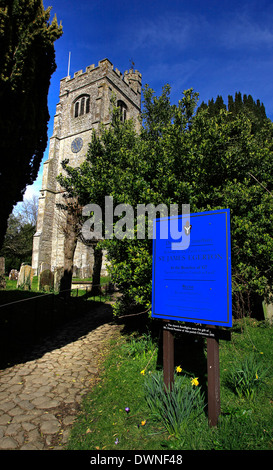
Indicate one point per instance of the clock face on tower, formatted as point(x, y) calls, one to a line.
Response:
point(76, 145)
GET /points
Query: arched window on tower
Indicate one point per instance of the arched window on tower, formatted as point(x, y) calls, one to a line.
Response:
point(122, 110)
point(81, 105)
point(87, 105)
point(77, 109)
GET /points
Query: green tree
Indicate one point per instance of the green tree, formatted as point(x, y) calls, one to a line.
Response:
point(232, 169)
point(17, 246)
point(208, 161)
point(27, 61)
point(255, 111)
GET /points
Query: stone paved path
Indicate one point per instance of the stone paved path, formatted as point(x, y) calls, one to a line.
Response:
point(40, 397)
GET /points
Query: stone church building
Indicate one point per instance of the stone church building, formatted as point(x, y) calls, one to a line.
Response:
point(84, 103)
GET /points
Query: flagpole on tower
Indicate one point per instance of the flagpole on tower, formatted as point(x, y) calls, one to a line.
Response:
point(68, 70)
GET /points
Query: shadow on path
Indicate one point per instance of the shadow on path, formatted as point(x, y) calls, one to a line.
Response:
point(28, 335)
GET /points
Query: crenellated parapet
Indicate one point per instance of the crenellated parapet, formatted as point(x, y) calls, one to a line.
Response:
point(131, 78)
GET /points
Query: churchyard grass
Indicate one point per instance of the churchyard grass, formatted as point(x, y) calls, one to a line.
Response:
point(116, 414)
point(11, 284)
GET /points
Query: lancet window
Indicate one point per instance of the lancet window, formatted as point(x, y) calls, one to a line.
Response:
point(81, 105)
point(122, 110)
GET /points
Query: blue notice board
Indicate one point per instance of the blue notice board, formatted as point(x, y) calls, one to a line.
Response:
point(192, 278)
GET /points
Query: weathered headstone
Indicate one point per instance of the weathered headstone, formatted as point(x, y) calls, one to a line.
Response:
point(2, 265)
point(44, 266)
point(25, 277)
point(268, 312)
point(13, 275)
point(46, 280)
point(58, 274)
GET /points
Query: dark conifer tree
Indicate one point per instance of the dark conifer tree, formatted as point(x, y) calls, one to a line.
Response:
point(219, 104)
point(246, 104)
point(27, 61)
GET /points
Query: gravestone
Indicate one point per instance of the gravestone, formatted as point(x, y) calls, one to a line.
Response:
point(2, 265)
point(44, 266)
point(25, 277)
point(13, 275)
point(46, 280)
point(58, 274)
point(268, 312)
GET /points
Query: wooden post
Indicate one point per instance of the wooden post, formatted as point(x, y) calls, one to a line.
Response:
point(213, 369)
point(168, 358)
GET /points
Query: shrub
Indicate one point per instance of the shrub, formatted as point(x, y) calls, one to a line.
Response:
point(175, 406)
point(139, 346)
point(246, 376)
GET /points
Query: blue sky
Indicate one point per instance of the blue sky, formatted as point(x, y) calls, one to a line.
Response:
point(217, 47)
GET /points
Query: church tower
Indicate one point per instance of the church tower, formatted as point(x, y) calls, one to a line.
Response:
point(84, 103)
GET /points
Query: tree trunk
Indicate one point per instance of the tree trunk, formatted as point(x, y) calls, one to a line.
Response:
point(70, 242)
point(96, 289)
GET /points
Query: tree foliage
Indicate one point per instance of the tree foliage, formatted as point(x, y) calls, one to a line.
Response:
point(27, 61)
point(210, 161)
point(17, 246)
point(246, 105)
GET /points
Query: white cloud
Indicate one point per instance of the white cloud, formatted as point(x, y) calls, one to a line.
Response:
point(235, 30)
point(33, 190)
point(243, 31)
point(179, 75)
point(168, 31)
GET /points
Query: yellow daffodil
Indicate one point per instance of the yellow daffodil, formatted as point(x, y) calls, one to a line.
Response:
point(178, 369)
point(195, 381)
